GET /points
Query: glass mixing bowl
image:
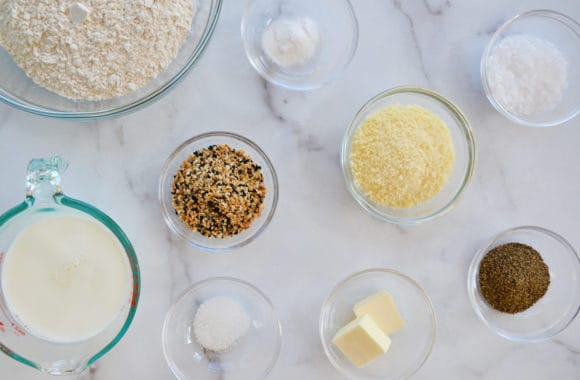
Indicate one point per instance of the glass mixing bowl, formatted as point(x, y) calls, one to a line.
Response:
point(252, 358)
point(564, 33)
point(45, 200)
point(410, 346)
point(19, 91)
point(182, 153)
point(555, 310)
point(338, 39)
point(463, 143)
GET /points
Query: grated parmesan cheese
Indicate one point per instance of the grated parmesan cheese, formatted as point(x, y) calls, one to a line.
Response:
point(402, 156)
point(94, 49)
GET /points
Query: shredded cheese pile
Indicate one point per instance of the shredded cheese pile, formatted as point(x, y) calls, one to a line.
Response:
point(402, 156)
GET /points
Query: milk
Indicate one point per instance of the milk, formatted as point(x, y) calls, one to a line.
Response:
point(66, 279)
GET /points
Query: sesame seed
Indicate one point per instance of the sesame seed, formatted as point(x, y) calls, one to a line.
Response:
point(208, 193)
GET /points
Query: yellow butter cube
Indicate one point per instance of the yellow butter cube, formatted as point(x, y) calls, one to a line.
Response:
point(362, 341)
point(382, 309)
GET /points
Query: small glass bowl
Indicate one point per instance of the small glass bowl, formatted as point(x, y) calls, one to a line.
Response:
point(463, 143)
point(338, 39)
point(20, 92)
point(553, 312)
point(410, 346)
point(181, 154)
point(253, 357)
point(564, 33)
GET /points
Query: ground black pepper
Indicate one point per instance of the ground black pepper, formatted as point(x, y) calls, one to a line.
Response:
point(512, 277)
point(218, 191)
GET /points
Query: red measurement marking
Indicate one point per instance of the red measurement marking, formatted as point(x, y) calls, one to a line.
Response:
point(2, 329)
point(135, 294)
point(17, 330)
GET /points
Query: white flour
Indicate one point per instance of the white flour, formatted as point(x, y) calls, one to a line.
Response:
point(94, 49)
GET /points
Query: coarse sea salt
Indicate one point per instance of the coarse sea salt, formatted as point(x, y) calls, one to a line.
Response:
point(219, 323)
point(527, 75)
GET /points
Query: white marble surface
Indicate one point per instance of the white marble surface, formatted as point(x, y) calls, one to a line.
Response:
point(319, 235)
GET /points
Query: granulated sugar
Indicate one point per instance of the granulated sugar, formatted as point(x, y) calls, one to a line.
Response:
point(94, 49)
point(527, 75)
point(219, 323)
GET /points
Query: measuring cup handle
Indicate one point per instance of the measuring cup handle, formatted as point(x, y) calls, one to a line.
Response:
point(43, 178)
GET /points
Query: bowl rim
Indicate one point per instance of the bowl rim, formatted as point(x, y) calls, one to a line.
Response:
point(239, 282)
point(472, 283)
point(385, 271)
point(138, 104)
point(467, 133)
point(165, 175)
point(306, 87)
point(565, 21)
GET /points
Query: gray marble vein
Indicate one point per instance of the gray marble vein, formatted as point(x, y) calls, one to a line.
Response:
point(398, 5)
point(437, 10)
point(568, 347)
point(306, 141)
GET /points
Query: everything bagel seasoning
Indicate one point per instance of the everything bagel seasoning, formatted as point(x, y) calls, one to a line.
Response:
point(218, 191)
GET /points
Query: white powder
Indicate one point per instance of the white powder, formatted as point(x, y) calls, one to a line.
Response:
point(219, 323)
point(291, 42)
point(527, 75)
point(94, 49)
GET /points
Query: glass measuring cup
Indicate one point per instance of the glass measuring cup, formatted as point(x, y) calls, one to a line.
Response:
point(45, 200)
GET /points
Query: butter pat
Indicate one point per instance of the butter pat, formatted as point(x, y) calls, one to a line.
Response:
point(362, 341)
point(382, 309)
